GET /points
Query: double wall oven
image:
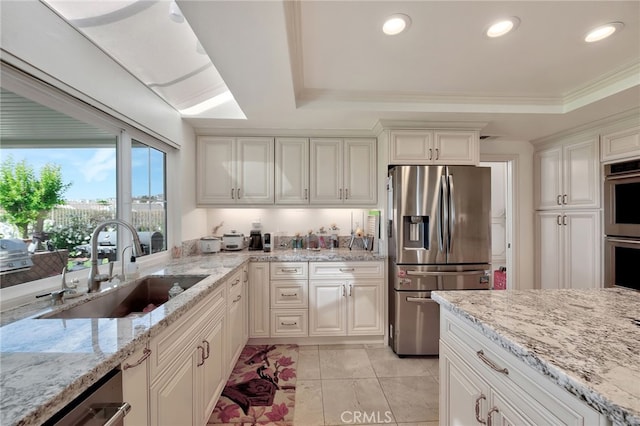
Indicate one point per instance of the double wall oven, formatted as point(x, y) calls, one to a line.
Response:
point(622, 224)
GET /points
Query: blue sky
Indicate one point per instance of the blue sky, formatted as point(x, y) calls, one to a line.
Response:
point(92, 171)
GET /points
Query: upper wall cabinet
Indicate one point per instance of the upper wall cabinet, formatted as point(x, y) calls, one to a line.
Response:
point(620, 145)
point(444, 147)
point(234, 171)
point(292, 171)
point(567, 175)
point(343, 171)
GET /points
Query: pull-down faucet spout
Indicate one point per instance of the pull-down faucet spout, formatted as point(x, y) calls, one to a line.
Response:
point(95, 277)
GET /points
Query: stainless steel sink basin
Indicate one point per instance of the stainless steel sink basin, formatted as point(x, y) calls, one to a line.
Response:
point(133, 298)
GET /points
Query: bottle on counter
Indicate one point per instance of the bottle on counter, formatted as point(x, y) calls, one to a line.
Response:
point(175, 290)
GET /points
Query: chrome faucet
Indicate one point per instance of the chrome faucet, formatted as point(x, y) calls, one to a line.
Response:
point(95, 277)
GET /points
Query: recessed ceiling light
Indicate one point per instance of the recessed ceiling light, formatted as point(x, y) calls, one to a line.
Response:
point(503, 27)
point(395, 24)
point(603, 31)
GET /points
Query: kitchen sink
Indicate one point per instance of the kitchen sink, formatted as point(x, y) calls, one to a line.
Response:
point(131, 299)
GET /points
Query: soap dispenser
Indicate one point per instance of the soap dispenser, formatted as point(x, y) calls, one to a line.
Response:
point(175, 290)
point(131, 272)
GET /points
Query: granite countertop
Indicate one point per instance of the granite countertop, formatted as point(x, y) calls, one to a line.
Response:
point(46, 363)
point(585, 341)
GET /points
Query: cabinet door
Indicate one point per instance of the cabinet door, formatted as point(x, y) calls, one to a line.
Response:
point(620, 145)
point(325, 169)
point(456, 147)
point(462, 391)
point(548, 178)
point(259, 299)
point(292, 171)
point(173, 396)
point(581, 172)
point(549, 249)
point(327, 308)
point(365, 307)
point(411, 147)
point(360, 171)
point(212, 373)
point(215, 170)
point(255, 171)
point(135, 388)
point(582, 249)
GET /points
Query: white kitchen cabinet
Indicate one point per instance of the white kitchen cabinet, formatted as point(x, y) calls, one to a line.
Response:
point(292, 171)
point(568, 249)
point(135, 387)
point(428, 146)
point(620, 145)
point(237, 314)
point(346, 298)
point(188, 365)
point(567, 175)
point(289, 299)
point(259, 306)
point(343, 171)
point(482, 383)
point(234, 171)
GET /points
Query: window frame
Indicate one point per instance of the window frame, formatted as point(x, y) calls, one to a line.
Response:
point(54, 98)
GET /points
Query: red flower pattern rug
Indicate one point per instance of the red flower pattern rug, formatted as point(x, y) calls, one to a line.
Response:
point(261, 389)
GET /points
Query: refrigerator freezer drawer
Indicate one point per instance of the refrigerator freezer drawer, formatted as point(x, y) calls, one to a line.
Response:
point(416, 324)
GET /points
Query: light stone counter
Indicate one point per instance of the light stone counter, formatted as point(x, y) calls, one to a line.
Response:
point(585, 341)
point(46, 363)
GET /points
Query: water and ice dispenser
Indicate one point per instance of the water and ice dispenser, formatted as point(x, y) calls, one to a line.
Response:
point(415, 232)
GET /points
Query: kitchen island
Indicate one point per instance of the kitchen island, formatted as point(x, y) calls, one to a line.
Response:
point(46, 363)
point(583, 342)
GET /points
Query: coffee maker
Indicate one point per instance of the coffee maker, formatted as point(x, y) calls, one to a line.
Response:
point(255, 239)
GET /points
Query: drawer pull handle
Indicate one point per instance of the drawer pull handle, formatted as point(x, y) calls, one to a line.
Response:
point(237, 299)
point(236, 283)
point(564, 199)
point(490, 363)
point(288, 323)
point(146, 353)
point(559, 200)
point(202, 357)
point(478, 399)
point(289, 294)
point(493, 410)
point(347, 269)
point(294, 270)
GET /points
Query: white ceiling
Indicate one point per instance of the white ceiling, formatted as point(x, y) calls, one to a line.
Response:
point(325, 65)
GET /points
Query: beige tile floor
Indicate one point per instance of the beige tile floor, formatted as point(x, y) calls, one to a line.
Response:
point(365, 384)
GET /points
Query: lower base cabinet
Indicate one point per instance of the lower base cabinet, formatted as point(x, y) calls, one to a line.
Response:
point(482, 384)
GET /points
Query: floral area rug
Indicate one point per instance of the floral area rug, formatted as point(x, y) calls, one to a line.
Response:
point(261, 389)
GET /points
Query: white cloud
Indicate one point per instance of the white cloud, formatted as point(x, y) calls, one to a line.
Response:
point(101, 166)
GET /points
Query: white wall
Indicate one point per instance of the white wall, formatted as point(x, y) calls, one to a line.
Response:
point(522, 151)
point(194, 222)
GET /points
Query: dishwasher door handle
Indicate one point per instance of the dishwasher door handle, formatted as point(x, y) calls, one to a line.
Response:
point(420, 299)
point(120, 414)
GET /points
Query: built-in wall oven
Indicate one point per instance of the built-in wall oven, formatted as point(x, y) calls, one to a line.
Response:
point(622, 224)
point(622, 199)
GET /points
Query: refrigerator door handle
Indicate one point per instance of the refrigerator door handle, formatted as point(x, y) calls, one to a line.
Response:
point(452, 214)
point(442, 214)
point(445, 273)
point(420, 299)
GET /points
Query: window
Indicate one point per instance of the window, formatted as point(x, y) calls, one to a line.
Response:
point(87, 159)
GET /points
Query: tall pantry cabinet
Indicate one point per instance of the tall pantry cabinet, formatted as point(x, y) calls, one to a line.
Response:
point(568, 216)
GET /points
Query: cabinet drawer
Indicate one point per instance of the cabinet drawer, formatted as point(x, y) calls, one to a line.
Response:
point(289, 270)
point(168, 345)
point(289, 294)
point(511, 376)
point(234, 281)
point(345, 270)
point(289, 322)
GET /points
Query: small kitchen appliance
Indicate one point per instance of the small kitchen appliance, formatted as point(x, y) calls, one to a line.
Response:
point(210, 244)
point(233, 241)
point(255, 240)
point(267, 241)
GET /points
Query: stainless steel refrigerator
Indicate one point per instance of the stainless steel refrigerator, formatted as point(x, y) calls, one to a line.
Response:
point(439, 229)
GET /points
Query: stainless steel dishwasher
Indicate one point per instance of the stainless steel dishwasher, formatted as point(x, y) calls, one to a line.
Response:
point(100, 405)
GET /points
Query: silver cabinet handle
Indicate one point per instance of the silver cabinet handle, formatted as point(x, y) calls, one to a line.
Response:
point(559, 220)
point(237, 299)
point(490, 363)
point(289, 294)
point(430, 154)
point(564, 219)
point(344, 291)
point(200, 363)
point(559, 200)
point(478, 399)
point(238, 192)
point(120, 414)
point(346, 193)
point(564, 199)
point(293, 270)
point(146, 353)
point(347, 269)
point(437, 153)
point(493, 410)
point(232, 192)
point(288, 323)
point(350, 289)
point(207, 349)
